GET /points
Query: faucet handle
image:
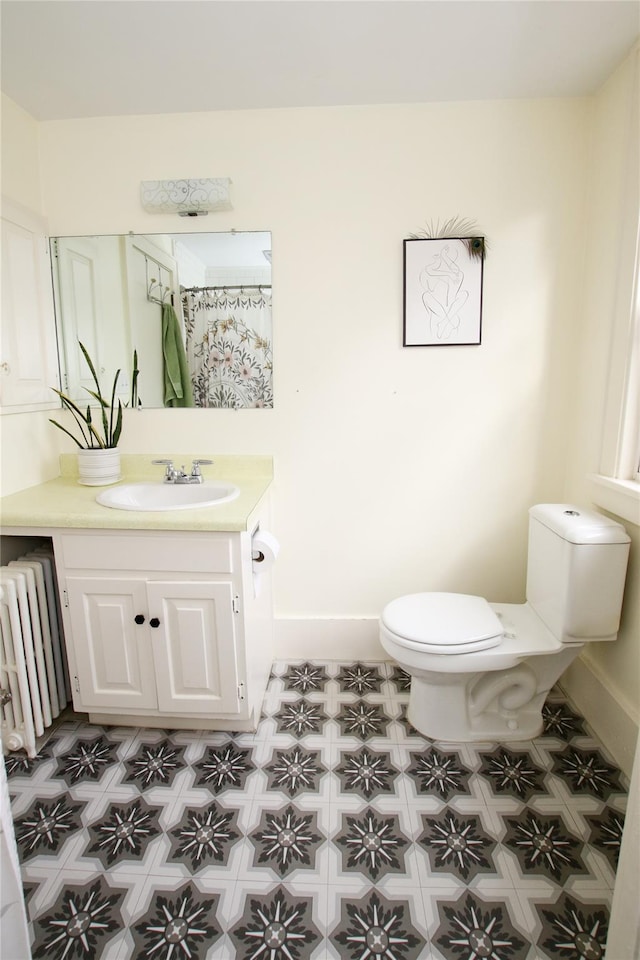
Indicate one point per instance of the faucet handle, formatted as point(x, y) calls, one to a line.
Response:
point(169, 472)
point(195, 467)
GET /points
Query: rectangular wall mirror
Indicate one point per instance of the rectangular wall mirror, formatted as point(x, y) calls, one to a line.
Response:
point(195, 306)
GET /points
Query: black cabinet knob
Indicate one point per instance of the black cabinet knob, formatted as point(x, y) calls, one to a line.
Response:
point(139, 618)
point(154, 622)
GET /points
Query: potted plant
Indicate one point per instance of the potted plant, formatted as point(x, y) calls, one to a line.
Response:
point(97, 439)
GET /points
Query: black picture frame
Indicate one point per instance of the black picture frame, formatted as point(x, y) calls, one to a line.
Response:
point(443, 291)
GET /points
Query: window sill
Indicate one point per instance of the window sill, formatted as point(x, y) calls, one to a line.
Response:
point(621, 497)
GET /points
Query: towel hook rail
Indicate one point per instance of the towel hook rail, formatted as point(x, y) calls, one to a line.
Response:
point(156, 291)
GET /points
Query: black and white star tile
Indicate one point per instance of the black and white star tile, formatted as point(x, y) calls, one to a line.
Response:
point(334, 832)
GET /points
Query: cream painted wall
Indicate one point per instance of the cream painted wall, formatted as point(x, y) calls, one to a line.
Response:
point(20, 156)
point(396, 469)
point(615, 121)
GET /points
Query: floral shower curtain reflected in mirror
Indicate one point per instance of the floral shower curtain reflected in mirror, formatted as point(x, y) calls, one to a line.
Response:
point(228, 345)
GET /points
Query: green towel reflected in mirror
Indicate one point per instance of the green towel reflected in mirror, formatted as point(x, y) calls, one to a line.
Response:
point(177, 382)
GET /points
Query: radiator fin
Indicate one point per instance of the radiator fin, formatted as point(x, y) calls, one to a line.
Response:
point(34, 679)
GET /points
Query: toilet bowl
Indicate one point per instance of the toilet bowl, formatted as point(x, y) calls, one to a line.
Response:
point(482, 671)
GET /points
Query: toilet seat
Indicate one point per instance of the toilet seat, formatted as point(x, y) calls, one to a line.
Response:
point(443, 623)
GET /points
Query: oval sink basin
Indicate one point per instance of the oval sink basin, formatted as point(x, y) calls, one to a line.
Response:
point(169, 496)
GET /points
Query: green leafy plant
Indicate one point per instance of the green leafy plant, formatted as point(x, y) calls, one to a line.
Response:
point(106, 433)
point(135, 373)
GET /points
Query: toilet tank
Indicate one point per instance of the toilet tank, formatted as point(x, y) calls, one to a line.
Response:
point(576, 569)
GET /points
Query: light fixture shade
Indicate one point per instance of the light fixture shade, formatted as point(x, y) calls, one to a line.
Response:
point(189, 198)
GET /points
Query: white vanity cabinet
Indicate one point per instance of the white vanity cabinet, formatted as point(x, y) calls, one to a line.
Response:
point(164, 629)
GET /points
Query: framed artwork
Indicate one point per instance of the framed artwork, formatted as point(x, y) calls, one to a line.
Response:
point(442, 291)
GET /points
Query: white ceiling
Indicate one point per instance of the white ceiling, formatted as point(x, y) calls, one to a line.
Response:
point(87, 58)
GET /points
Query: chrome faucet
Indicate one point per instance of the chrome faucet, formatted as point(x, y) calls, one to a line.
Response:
point(171, 475)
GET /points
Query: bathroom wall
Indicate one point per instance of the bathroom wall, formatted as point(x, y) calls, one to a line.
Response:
point(607, 674)
point(396, 469)
point(20, 156)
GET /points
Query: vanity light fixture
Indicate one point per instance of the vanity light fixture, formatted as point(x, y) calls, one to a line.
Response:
point(187, 198)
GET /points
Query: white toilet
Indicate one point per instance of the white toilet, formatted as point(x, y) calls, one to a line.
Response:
point(482, 671)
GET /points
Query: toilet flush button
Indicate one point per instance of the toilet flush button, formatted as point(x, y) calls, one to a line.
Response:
point(572, 513)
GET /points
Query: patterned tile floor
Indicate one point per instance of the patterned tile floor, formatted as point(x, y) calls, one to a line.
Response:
point(335, 831)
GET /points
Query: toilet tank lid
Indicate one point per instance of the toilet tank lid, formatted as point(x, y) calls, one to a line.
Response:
point(576, 525)
point(444, 620)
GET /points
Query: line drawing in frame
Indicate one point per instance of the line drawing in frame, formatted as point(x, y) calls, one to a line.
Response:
point(442, 293)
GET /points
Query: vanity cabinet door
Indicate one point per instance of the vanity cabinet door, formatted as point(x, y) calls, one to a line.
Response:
point(194, 646)
point(111, 644)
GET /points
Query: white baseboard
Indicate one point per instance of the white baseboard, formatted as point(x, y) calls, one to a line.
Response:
point(328, 639)
point(610, 720)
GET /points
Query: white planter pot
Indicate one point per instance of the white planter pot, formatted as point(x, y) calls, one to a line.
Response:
point(98, 468)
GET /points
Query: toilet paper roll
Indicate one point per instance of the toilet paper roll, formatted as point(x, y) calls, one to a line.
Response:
point(264, 552)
